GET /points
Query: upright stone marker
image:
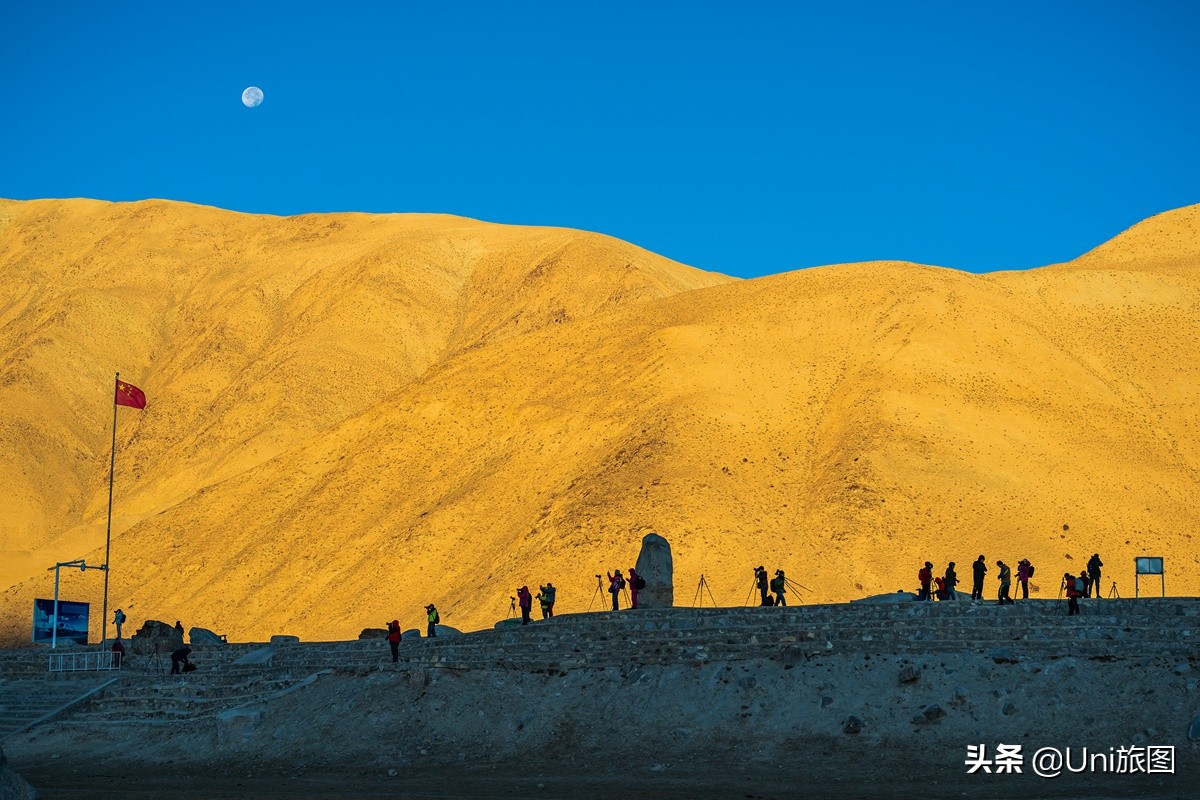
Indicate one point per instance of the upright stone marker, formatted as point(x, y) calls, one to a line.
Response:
point(154, 634)
point(654, 565)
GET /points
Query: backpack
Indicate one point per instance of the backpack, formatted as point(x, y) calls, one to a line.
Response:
point(621, 583)
point(1031, 570)
point(641, 582)
point(1079, 585)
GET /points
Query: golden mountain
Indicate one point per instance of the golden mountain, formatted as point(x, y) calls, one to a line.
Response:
point(353, 415)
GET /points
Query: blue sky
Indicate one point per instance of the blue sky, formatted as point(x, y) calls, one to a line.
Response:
point(746, 137)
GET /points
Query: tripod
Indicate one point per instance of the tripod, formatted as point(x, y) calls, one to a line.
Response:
point(753, 589)
point(512, 606)
point(1113, 591)
point(154, 661)
point(596, 593)
point(795, 587)
point(702, 587)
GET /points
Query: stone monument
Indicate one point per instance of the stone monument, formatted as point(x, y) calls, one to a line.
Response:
point(654, 566)
point(156, 634)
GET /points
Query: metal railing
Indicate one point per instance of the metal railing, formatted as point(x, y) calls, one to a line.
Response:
point(84, 662)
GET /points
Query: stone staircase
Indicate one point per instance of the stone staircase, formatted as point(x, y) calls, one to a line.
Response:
point(1118, 628)
point(25, 702)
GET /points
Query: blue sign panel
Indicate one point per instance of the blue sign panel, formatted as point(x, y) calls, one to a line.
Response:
point(72, 621)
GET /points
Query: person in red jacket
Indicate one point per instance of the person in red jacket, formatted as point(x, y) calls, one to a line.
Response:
point(1072, 594)
point(393, 638)
point(1023, 571)
point(615, 584)
point(939, 590)
point(525, 601)
point(925, 576)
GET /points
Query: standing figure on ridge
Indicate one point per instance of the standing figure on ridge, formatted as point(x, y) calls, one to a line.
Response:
point(1094, 565)
point(760, 579)
point(1005, 578)
point(525, 601)
point(1069, 581)
point(951, 580)
point(543, 602)
point(118, 620)
point(635, 582)
point(393, 638)
point(433, 619)
point(925, 576)
point(779, 587)
point(548, 592)
point(1024, 570)
point(179, 628)
point(615, 584)
point(980, 567)
point(1087, 582)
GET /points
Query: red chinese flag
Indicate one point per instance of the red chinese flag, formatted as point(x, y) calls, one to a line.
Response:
point(129, 395)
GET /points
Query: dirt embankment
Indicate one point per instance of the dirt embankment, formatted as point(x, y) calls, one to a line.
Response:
point(831, 726)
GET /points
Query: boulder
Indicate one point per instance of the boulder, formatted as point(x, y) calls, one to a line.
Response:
point(154, 634)
point(411, 633)
point(203, 636)
point(1194, 730)
point(12, 785)
point(262, 655)
point(509, 623)
point(909, 674)
point(852, 725)
point(284, 639)
point(655, 566)
point(446, 630)
point(373, 633)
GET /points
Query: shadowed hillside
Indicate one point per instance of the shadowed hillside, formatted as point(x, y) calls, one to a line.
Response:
point(353, 415)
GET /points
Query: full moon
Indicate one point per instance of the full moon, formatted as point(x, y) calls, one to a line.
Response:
point(252, 96)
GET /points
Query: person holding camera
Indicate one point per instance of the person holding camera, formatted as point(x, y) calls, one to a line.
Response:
point(393, 638)
point(764, 586)
point(525, 601)
point(615, 584)
point(433, 618)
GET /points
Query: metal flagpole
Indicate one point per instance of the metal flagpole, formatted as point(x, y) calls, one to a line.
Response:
point(112, 464)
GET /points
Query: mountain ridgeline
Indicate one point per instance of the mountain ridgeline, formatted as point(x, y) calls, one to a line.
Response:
point(353, 415)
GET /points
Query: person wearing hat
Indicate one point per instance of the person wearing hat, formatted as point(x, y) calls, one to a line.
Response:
point(434, 619)
point(925, 576)
point(393, 638)
point(779, 587)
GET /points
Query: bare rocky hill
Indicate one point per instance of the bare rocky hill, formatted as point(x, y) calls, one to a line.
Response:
point(353, 415)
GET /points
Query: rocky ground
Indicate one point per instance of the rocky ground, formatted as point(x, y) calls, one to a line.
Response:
point(834, 725)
